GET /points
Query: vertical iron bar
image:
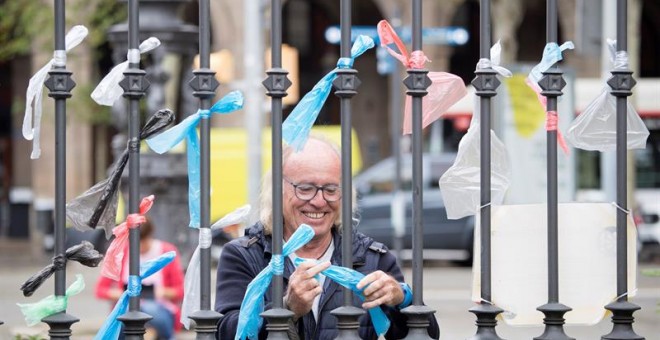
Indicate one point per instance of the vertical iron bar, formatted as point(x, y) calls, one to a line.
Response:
point(204, 85)
point(417, 82)
point(552, 83)
point(621, 83)
point(486, 84)
point(60, 85)
point(276, 85)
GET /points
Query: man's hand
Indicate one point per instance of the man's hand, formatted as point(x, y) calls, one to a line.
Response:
point(303, 288)
point(381, 289)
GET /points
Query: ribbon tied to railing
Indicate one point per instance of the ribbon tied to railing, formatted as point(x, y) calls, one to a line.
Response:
point(51, 304)
point(114, 256)
point(296, 127)
point(249, 319)
point(188, 129)
point(35, 88)
point(552, 53)
point(446, 89)
point(98, 205)
point(108, 90)
point(191, 298)
point(349, 278)
point(111, 327)
point(84, 253)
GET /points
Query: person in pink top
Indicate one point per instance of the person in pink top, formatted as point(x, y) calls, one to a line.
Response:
point(162, 292)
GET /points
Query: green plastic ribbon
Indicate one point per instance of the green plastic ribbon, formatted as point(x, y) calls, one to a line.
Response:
point(51, 304)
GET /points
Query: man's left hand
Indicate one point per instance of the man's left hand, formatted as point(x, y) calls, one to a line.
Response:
point(381, 289)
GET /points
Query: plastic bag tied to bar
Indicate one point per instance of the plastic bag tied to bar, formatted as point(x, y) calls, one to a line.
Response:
point(114, 256)
point(552, 54)
point(188, 129)
point(84, 253)
point(446, 89)
point(460, 185)
point(98, 205)
point(191, 297)
point(34, 94)
point(108, 90)
point(111, 327)
point(595, 127)
point(349, 278)
point(249, 318)
point(296, 127)
point(51, 304)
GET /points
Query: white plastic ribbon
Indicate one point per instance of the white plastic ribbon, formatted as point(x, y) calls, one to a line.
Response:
point(494, 61)
point(35, 88)
point(108, 90)
point(191, 283)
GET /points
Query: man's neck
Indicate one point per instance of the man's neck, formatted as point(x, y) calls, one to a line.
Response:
point(315, 248)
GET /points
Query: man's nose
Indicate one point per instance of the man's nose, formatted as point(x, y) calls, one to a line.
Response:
point(318, 198)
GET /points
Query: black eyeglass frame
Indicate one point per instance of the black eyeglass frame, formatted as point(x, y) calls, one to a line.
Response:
point(317, 187)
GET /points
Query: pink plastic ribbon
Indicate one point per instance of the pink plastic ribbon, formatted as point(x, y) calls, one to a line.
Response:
point(446, 89)
point(114, 256)
point(551, 122)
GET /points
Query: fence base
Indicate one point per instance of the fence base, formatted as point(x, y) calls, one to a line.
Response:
point(60, 325)
point(278, 323)
point(418, 321)
point(622, 321)
point(347, 322)
point(554, 322)
point(206, 324)
point(134, 324)
point(486, 322)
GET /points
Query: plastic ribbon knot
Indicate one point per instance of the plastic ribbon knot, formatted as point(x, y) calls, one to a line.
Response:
point(111, 327)
point(494, 61)
point(349, 278)
point(108, 90)
point(114, 256)
point(191, 297)
point(51, 304)
point(249, 320)
point(35, 88)
point(446, 89)
point(188, 129)
point(296, 127)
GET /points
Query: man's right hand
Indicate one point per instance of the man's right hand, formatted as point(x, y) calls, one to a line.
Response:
point(303, 288)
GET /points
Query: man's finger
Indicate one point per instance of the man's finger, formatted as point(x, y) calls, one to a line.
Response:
point(315, 270)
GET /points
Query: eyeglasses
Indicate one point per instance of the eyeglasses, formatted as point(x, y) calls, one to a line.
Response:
point(307, 191)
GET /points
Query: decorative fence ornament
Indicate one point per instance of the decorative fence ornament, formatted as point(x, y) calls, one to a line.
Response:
point(51, 304)
point(296, 127)
point(191, 283)
point(98, 205)
point(249, 319)
point(108, 90)
point(111, 327)
point(460, 184)
point(84, 253)
point(349, 278)
point(188, 129)
point(35, 88)
point(595, 127)
point(114, 256)
point(446, 89)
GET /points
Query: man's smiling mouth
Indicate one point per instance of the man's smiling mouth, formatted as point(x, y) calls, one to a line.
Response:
point(314, 215)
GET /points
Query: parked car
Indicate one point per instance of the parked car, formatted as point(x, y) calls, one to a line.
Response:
point(443, 238)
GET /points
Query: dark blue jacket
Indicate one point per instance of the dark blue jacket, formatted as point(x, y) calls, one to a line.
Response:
point(243, 258)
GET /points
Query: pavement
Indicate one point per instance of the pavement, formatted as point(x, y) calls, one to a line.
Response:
point(447, 289)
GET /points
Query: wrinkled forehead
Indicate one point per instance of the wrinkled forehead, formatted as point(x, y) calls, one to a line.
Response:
point(316, 157)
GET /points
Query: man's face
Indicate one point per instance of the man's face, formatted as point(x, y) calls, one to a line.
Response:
point(319, 165)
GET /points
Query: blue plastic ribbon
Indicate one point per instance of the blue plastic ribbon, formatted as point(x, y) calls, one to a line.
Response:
point(111, 327)
point(552, 53)
point(188, 129)
point(349, 278)
point(249, 318)
point(296, 127)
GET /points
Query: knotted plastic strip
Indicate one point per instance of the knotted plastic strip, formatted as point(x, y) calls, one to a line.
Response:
point(84, 253)
point(191, 297)
point(108, 90)
point(249, 318)
point(349, 278)
point(188, 129)
point(296, 127)
point(98, 205)
point(112, 326)
point(34, 92)
point(446, 89)
point(51, 304)
point(114, 256)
